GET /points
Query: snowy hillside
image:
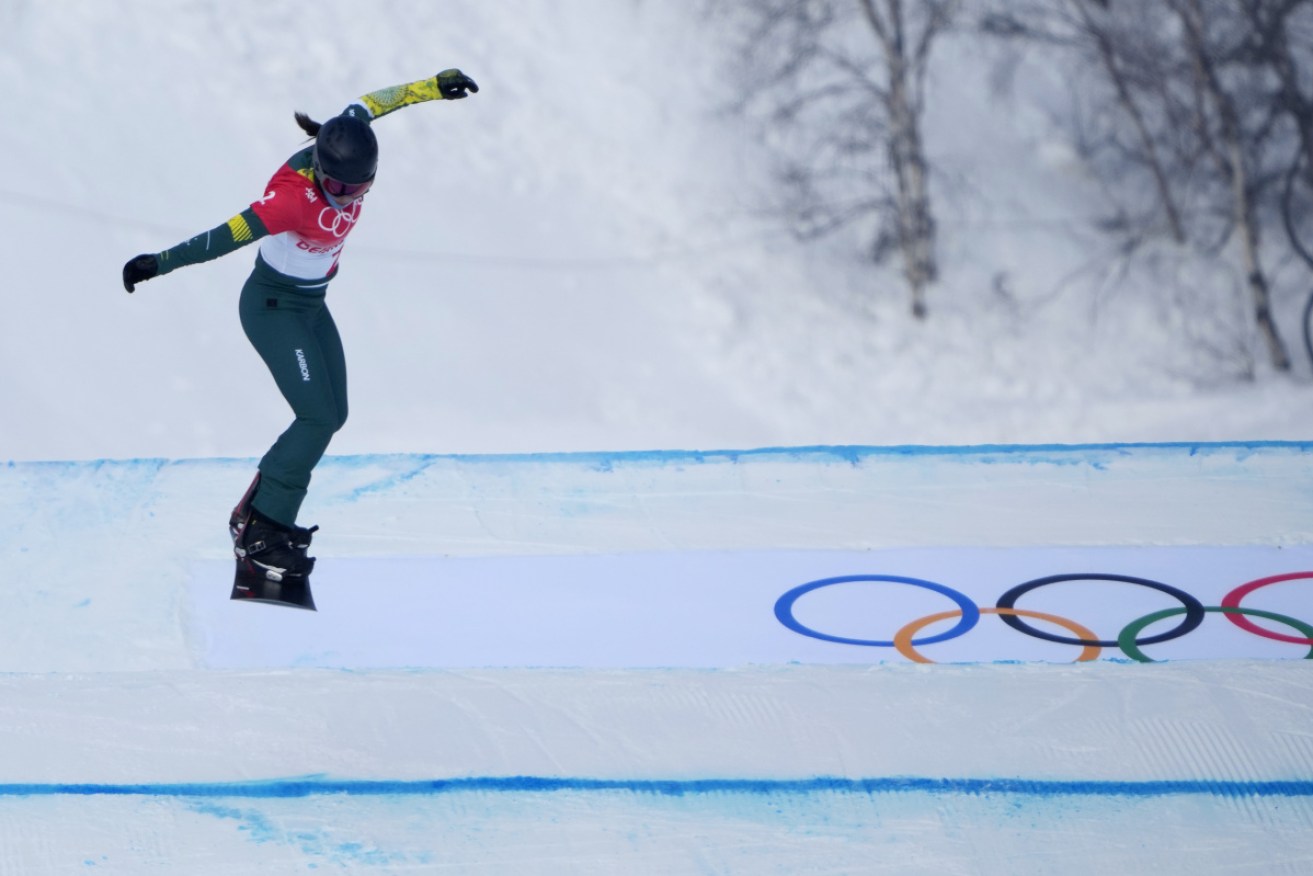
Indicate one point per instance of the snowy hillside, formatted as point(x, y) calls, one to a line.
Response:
point(571, 260)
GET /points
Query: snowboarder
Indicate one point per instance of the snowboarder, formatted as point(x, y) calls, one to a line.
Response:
point(302, 221)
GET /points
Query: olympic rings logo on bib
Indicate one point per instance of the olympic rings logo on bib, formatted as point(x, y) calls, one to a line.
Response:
point(1191, 611)
point(339, 222)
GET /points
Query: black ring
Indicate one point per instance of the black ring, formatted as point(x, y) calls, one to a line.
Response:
point(1194, 609)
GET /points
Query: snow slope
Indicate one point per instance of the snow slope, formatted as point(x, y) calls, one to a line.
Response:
point(130, 747)
point(743, 771)
point(573, 259)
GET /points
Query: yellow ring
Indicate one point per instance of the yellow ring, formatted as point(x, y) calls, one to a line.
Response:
point(903, 638)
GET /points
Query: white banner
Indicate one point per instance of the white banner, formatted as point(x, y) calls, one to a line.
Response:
point(730, 609)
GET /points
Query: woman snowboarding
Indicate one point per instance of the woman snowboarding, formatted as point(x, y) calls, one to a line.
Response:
point(302, 221)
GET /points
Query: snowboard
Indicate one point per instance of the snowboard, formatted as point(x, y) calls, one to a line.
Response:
point(251, 585)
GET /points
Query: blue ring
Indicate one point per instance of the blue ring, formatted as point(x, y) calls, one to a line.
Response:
point(784, 610)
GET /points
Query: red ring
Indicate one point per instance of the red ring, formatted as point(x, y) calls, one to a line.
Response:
point(1232, 600)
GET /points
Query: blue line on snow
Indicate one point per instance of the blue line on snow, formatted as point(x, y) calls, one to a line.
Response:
point(852, 454)
point(317, 786)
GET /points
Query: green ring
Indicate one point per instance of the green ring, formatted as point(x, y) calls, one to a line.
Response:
point(1126, 640)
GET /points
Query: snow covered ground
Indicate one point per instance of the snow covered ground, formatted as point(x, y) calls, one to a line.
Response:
point(423, 720)
point(567, 270)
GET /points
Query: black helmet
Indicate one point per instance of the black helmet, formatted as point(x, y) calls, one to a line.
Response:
point(346, 151)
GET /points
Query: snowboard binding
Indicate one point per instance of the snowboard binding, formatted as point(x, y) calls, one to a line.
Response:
point(272, 565)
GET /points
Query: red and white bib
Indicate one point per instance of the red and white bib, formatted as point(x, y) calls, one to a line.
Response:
point(306, 233)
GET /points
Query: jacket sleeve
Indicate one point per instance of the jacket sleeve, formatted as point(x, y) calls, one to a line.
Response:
point(386, 100)
point(238, 231)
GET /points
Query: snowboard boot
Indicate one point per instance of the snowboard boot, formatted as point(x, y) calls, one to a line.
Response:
point(266, 547)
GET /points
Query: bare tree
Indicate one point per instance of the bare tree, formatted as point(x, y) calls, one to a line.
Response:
point(1283, 40)
point(1121, 53)
point(841, 88)
point(1199, 110)
point(1223, 134)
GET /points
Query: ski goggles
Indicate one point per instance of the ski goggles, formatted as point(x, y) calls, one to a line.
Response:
point(342, 190)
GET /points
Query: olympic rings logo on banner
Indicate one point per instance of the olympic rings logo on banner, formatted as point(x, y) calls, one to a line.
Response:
point(1191, 611)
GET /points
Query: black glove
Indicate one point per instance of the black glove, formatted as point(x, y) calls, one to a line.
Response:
point(143, 267)
point(452, 83)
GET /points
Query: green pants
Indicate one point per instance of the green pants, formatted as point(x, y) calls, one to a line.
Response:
point(292, 330)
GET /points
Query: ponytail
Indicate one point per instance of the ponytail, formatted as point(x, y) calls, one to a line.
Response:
point(309, 125)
